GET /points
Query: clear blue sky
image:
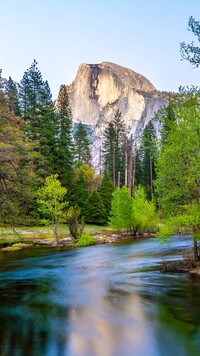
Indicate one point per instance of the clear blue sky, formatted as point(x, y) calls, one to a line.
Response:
point(143, 35)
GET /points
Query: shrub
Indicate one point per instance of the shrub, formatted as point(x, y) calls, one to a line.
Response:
point(85, 239)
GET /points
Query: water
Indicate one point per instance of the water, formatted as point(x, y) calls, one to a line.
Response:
point(106, 300)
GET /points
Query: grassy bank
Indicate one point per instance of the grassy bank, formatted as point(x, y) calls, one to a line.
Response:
point(22, 236)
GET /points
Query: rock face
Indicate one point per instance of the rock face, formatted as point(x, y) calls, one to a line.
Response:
point(99, 90)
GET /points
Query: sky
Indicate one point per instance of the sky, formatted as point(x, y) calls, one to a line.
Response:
point(143, 35)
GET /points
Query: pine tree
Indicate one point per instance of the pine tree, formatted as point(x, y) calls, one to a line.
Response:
point(11, 95)
point(106, 189)
point(114, 149)
point(40, 118)
point(2, 96)
point(82, 144)
point(64, 141)
point(79, 193)
point(94, 211)
point(148, 152)
point(33, 91)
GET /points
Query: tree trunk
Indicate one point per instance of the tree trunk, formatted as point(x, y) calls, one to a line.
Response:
point(131, 167)
point(118, 181)
point(151, 177)
point(126, 163)
point(134, 168)
point(196, 255)
point(55, 230)
point(114, 182)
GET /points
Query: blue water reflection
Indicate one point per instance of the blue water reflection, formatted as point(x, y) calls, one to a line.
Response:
point(103, 300)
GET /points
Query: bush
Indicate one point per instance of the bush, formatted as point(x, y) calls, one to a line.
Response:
point(85, 239)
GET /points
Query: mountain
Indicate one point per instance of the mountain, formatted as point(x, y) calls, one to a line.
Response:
point(99, 90)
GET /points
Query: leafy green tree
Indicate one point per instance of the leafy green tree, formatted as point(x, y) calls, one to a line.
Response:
point(91, 178)
point(64, 140)
point(178, 170)
point(85, 181)
point(82, 144)
point(93, 210)
point(144, 216)
point(121, 209)
point(51, 202)
point(113, 148)
point(136, 213)
point(106, 190)
point(190, 52)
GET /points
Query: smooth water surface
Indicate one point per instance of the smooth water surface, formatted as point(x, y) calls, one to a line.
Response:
point(106, 300)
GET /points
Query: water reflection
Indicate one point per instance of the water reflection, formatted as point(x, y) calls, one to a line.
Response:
point(102, 300)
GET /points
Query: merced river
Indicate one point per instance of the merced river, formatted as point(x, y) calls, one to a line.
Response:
point(105, 300)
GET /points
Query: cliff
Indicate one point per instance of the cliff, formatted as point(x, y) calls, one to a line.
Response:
point(99, 90)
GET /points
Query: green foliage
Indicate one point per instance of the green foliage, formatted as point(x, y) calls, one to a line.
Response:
point(93, 210)
point(82, 144)
point(79, 192)
point(178, 170)
point(136, 214)
point(144, 216)
point(121, 209)
point(91, 178)
point(11, 96)
point(85, 239)
point(40, 119)
point(34, 92)
point(64, 140)
point(190, 52)
point(106, 190)
point(148, 154)
point(51, 201)
point(113, 148)
point(17, 178)
point(179, 161)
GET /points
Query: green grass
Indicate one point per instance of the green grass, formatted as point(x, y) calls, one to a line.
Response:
point(28, 234)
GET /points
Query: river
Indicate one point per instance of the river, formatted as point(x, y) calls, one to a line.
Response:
point(105, 300)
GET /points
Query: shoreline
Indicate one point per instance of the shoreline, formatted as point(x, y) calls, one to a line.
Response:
point(184, 266)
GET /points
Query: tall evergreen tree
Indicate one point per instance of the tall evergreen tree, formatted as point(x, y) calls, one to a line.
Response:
point(148, 151)
point(2, 96)
point(113, 148)
point(82, 144)
point(93, 210)
point(33, 91)
point(79, 193)
point(106, 189)
point(64, 144)
point(40, 118)
point(11, 95)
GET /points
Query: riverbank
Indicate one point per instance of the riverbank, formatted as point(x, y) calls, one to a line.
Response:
point(16, 239)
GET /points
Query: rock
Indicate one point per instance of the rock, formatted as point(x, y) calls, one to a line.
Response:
point(99, 90)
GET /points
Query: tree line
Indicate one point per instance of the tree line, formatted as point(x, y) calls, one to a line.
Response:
point(38, 139)
point(156, 178)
